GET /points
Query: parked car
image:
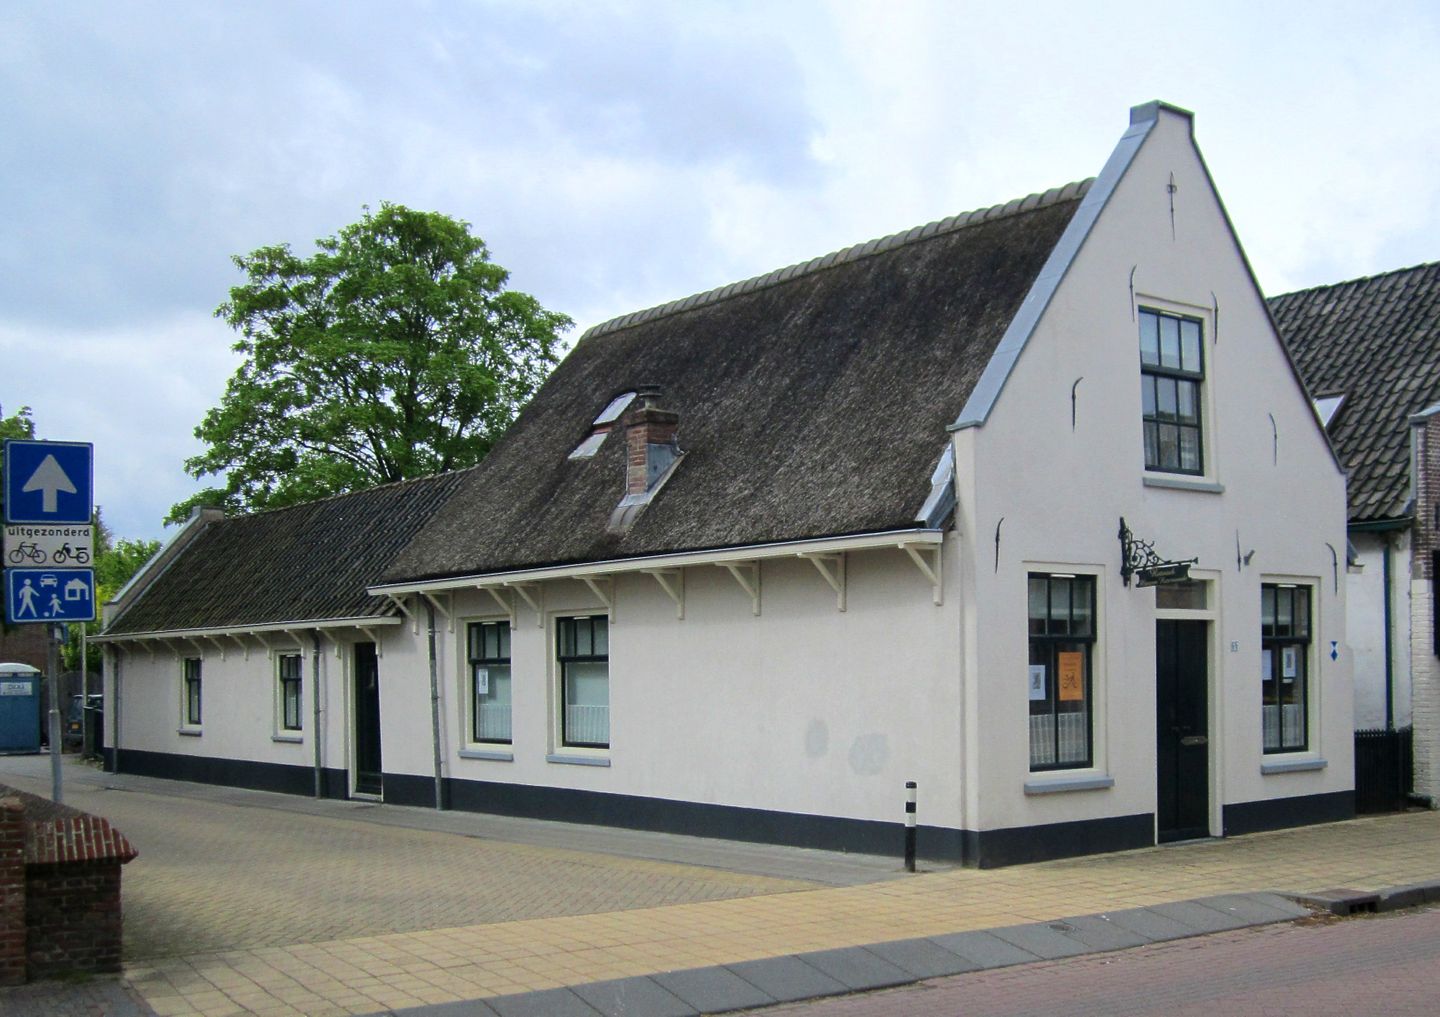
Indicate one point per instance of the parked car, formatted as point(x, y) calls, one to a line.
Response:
point(75, 718)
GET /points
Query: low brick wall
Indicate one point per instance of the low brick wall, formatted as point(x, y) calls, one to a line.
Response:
point(59, 889)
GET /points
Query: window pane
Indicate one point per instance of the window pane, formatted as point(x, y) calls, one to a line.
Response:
point(1072, 708)
point(1152, 445)
point(492, 703)
point(1166, 398)
point(1190, 449)
point(1284, 611)
point(1190, 345)
point(587, 704)
point(1267, 610)
point(503, 632)
point(1302, 612)
point(1187, 401)
point(1081, 614)
point(1147, 394)
point(1192, 595)
point(1149, 338)
point(601, 641)
point(1169, 446)
point(1170, 342)
point(1059, 607)
point(1037, 605)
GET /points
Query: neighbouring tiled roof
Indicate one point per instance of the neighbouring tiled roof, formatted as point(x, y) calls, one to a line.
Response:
point(308, 562)
point(813, 401)
point(1377, 341)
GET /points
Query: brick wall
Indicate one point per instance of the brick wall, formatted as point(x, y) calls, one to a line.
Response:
point(59, 889)
point(1424, 665)
point(12, 891)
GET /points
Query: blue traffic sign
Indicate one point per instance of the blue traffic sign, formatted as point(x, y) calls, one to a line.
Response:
point(49, 595)
point(48, 481)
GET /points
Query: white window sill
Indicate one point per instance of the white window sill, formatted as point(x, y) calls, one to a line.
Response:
point(499, 755)
point(569, 760)
point(1057, 785)
point(1292, 765)
point(189, 732)
point(295, 739)
point(1183, 483)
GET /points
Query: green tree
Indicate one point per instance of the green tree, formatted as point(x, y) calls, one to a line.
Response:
point(394, 351)
point(17, 425)
point(116, 562)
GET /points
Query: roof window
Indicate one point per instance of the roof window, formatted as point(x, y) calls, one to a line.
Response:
point(1326, 406)
point(602, 425)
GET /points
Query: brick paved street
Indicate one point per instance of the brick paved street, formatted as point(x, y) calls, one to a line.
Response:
point(1379, 965)
point(283, 906)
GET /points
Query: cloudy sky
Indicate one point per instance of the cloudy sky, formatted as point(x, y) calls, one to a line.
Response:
point(617, 155)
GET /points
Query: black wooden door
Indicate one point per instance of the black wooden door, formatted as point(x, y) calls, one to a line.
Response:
point(1182, 728)
point(367, 720)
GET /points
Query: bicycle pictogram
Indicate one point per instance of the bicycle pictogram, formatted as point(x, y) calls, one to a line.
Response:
point(28, 551)
point(65, 552)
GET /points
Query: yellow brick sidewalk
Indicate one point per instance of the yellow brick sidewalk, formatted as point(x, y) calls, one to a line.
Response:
point(363, 975)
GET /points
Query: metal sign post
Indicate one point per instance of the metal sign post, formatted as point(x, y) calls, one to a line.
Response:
point(52, 679)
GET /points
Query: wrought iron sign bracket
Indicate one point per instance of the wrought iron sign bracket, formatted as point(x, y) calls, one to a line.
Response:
point(1138, 558)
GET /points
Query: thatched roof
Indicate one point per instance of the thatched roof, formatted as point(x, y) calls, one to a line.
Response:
point(1376, 341)
point(310, 562)
point(812, 402)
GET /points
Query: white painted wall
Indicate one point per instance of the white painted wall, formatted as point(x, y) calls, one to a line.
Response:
point(1061, 492)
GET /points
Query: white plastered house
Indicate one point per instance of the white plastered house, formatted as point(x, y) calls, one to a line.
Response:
point(751, 561)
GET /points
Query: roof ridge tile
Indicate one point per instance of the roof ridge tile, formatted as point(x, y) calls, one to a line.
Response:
point(855, 252)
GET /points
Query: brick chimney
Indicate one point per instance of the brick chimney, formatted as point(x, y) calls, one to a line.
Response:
point(650, 446)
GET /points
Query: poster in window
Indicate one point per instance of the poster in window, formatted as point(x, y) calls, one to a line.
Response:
point(482, 681)
point(1037, 683)
point(1070, 676)
point(1289, 663)
point(1267, 665)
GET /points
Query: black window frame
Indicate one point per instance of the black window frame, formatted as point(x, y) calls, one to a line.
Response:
point(291, 674)
point(1048, 638)
point(1155, 376)
point(1297, 631)
point(568, 651)
point(484, 658)
point(192, 685)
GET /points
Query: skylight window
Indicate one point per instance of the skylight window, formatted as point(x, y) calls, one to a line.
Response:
point(602, 426)
point(1327, 406)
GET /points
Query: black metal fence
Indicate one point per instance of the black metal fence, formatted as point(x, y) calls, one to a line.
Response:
point(1384, 769)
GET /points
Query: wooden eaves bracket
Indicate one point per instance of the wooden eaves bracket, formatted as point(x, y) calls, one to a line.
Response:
point(507, 604)
point(605, 595)
point(672, 581)
point(747, 574)
point(399, 601)
point(832, 568)
point(244, 646)
point(531, 594)
point(931, 569)
point(444, 610)
point(372, 637)
point(218, 645)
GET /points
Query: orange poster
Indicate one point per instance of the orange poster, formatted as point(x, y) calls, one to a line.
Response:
point(1070, 675)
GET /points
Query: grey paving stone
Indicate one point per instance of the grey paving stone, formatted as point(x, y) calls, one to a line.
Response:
point(1256, 908)
point(625, 997)
point(1145, 922)
point(923, 958)
point(1043, 939)
point(985, 950)
point(1099, 932)
point(713, 990)
point(464, 1008)
point(787, 979)
point(1199, 917)
point(857, 968)
point(545, 1003)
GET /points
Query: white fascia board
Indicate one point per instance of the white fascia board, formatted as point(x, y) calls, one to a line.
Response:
point(1047, 283)
point(368, 621)
point(684, 559)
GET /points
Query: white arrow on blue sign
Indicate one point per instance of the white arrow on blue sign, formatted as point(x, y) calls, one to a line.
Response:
point(48, 481)
point(49, 595)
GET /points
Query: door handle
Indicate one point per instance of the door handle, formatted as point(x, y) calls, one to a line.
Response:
point(1190, 740)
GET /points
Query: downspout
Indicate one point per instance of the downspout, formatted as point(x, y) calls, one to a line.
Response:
point(1388, 580)
point(315, 700)
point(435, 709)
